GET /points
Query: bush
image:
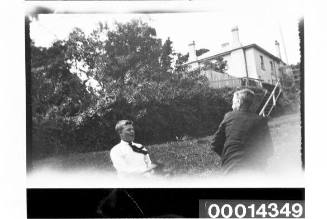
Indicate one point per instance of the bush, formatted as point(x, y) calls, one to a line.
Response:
point(289, 101)
point(155, 122)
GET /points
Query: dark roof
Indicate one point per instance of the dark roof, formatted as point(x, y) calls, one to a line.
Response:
point(244, 48)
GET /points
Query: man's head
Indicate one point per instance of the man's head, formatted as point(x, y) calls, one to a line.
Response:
point(125, 130)
point(243, 99)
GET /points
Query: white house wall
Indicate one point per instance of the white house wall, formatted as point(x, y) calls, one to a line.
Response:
point(236, 67)
point(251, 63)
point(267, 74)
point(236, 64)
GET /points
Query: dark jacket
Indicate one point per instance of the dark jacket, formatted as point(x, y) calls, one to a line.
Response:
point(243, 141)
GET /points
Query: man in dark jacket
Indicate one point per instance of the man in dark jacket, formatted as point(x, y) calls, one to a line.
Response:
point(243, 139)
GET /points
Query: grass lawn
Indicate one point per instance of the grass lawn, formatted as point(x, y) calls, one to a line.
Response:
point(193, 156)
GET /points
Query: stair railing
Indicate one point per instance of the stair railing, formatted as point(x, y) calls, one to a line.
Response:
point(274, 98)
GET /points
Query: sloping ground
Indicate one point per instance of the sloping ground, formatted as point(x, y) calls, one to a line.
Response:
point(286, 135)
point(194, 156)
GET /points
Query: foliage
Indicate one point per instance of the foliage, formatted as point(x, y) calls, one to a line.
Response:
point(55, 91)
point(289, 102)
point(166, 56)
point(200, 52)
point(216, 64)
point(56, 95)
point(181, 59)
point(82, 86)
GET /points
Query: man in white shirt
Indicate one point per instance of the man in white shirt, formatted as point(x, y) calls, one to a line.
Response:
point(128, 157)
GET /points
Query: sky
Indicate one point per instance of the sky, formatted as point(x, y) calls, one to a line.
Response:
point(208, 24)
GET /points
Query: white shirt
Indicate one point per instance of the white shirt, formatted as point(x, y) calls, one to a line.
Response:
point(127, 162)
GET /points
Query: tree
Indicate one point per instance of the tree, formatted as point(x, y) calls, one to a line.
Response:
point(199, 52)
point(133, 53)
point(55, 90)
point(58, 96)
point(217, 64)
point(122, 60)
point(180, 63)
point(166, 56)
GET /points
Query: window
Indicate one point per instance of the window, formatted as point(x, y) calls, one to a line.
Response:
point(272, 66)
point(262, 63)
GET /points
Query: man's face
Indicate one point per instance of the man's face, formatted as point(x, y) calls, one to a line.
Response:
point(127, 133)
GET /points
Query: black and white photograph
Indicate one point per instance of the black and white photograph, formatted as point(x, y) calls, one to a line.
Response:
point(142, 109)
point(164, 95)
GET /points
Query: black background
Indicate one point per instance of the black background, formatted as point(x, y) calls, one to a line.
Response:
point(154, 202)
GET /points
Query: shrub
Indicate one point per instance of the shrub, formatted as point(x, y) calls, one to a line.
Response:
point(197, 115)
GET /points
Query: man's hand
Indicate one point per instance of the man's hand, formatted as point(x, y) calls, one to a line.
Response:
point(163, 170)
point(151, 167)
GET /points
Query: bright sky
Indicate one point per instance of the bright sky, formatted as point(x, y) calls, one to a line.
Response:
point(209, 26)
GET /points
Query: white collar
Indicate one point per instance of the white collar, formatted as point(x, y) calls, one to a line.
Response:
point(125, 142)
point(133, 143)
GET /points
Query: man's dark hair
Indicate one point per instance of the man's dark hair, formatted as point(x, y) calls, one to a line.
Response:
point(120, 125)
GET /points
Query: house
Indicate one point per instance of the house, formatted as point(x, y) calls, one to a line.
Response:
point(249, 64)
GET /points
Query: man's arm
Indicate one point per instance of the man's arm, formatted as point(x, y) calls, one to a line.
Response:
point(219, 138)
point(122, 164)
point(150, 165)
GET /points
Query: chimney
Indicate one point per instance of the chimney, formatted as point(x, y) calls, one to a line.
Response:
point(192, 52)
point(278, 54)
point(236, 37)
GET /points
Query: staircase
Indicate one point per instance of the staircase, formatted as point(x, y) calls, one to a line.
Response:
point(270, 99)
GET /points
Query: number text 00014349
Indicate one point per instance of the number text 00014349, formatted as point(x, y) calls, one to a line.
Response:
point(251, 209)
